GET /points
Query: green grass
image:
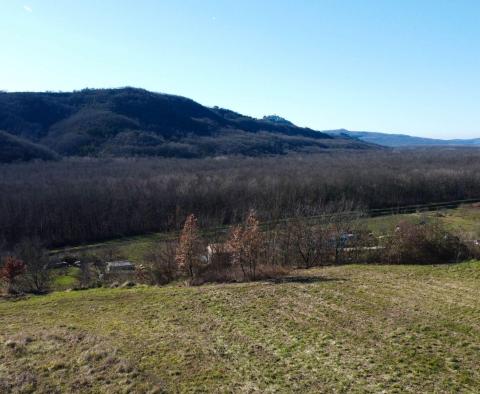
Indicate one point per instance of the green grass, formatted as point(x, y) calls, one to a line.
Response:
point(133, 248)
point(65, 278)
point(339, 329)
point(462, 220)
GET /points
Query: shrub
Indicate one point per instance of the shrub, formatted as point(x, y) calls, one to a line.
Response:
point(307, 243)
point(423, 243)
point(11, 270)
point(160, 265)
point(37, 275)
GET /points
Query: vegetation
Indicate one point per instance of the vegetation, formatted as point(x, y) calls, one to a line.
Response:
point(14, 148)
point(190, 248)
point(37, 275)
point(336, 329)
point(248, 247)
point(463, 221)
point(419, 243)
point(246, 252)
point(88, 200)
point(266, 224)
point(134, 122)
point(11, 269)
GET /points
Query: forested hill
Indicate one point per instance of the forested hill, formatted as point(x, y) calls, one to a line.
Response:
point(136, 122)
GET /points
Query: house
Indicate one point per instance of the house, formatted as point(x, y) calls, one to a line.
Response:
point(64, 264)
point(219, 250)
point(119, 267)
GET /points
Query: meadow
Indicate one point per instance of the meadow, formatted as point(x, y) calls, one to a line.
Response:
point(336, 329)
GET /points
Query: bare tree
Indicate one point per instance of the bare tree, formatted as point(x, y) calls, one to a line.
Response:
point(307, 242)
point(37, 276)
point(160, 264)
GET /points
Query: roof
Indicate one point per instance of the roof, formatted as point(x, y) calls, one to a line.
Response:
point(119, 263)
point(220, 248)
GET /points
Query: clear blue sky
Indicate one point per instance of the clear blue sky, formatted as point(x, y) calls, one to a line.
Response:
point(398, 66)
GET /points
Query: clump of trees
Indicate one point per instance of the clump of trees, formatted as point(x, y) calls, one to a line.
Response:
point(244, 255)
point(251, 251)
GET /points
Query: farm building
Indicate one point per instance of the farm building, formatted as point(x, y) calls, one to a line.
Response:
point(118, 267)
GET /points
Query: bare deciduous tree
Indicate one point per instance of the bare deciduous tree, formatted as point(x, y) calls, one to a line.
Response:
point(160, 263)
point(37, 276)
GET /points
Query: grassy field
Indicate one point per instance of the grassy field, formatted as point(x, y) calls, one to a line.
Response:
point(339, 329)
point(464, 220)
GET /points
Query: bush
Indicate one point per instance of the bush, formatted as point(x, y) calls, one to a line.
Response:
point(424, 243)
point(90, 270)
point(12, 268)
point(37, 275)
point(159, 264)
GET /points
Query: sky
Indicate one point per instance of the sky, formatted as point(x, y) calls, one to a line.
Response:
point(410, 66)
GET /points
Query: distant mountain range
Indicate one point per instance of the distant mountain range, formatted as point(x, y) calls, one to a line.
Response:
point(136, 122)
point(401, 140)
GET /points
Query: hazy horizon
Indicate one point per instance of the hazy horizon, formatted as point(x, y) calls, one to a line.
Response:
point(400, 68)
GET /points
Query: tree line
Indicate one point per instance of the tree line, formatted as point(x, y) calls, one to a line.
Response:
point(246, 252)
point(76, 201)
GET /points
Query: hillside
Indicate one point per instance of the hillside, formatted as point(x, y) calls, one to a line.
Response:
point(135, 122)
point(402, 140)
point(412, 329)
point(13, 148)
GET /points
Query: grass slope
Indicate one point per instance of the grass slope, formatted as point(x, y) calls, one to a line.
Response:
point(340, 329)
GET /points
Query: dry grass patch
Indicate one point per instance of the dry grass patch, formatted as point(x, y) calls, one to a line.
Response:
point(66, 360)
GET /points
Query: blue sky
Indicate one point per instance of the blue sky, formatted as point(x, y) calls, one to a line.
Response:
point(409, 66)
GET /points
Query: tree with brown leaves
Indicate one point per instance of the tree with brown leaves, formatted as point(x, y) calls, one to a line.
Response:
point(247, 245)
point(189, 251)
point(12, 269)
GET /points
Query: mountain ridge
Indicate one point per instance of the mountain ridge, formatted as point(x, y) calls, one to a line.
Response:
point(402, 140)
point(136, 122)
